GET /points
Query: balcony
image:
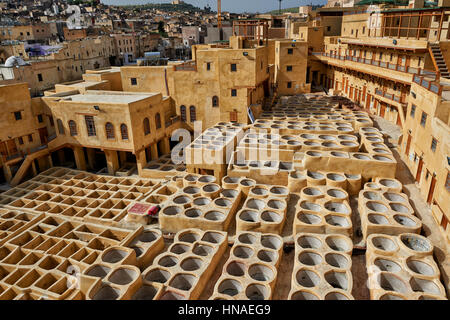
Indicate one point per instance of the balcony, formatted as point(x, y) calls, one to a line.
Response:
point(390, 96)
point(389, 70)
point(429, 84)
point(186, 66)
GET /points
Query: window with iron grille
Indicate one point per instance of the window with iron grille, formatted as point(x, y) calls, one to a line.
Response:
point(90, 126)
point(183, 113)
point(208, 66)
point(413, 111)
point(433, 144)
point(215, 101)
point(109, 129)
point(124, 131)
point(233, 92)
point(60, 126)
point(158, 120)
point(423, 120)
point(233, 67)
point(192, 113)
point(146, 126)
point(73, 128)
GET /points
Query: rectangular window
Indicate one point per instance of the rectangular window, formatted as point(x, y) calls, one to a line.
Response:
point(39, 77)
point(433, 144)
point(423, 120)
point(289, 68)
point(20, 140)
point(233, 67)
point(90, 126)
point(364, 30)
point(40, 119)
point(208, 66)
point(133, 81)
point(233, 92)
point(447, 183)
point(413, 111)
point(290, 51)
point(30, 138)
point(381, 56)
point(18, 115)
point(289, 84)
point(328, 28)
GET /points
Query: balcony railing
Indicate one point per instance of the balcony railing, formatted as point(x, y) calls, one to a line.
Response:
point(428, 84)
point(381, 64)
point(389, 96)
point(187, 66)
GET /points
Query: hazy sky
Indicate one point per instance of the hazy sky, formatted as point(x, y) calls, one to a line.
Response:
point(230, 5)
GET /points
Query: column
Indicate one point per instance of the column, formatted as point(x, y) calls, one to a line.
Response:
point(154, 150)
point(80, 159)
point(7, 172)
point(33, 167)
point(91, 157)
point(165, 145)
point(112, 161)
point(141, 161)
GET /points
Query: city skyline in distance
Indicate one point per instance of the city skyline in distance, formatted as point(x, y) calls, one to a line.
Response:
point(236, 6)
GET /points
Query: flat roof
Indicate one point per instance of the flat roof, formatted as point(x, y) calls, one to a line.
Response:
point(109, 98)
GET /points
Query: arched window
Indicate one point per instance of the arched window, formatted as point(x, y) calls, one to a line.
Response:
point(158, 120)
point(60, 126)
point(73, 128)
point(192, 113)
point(124, 131)
point(109, 129)
point(146, 126)
point(215, 101)
point(183, 113)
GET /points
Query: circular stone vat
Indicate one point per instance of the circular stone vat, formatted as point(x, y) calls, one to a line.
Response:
point(259, 191)
point(158, 275)
point(145, 293)
point(271, 216)
point(376, 206)
point(335, 177)
point(336, 260)
point(191, 264)
point(260, 272)
point(337, 221)
point(399, 207)
point(422, 285)
point(361, 156)
point(236, 269)
point(247, 238)
point(280, 191)
point(314, 192)
point(191, 190)
point(314, 153)
point(249, 215)
point(391, 296)
point(337, 207)
point(387, 265)
point(334, 295)
point(229, 193)
point(98, 271)
point(243, 252)
point(420, 267)
point(168, 261)
point(181, 200)
point(337, 279)
point(211, 188)
point(310, 206)
point(384, 243)
point(172, 210)
point(415, 242)
point(222, 202)
point(336, 193)
point(267, 256)
point(107, 292)
point(371, 195)
point(390, 282)
point(271, 242)
point(202, 250)
point(183, 282)
point(389, 183)
point(214, 216)
point(315, 175)
point(114, 255)
point(307, 278)
point(309, 242)
point(338, 243)
point(189, 237)
point(310, 258)
point(404, 220)
point(247, 182)
point(377, 219)
point(123, 276)
point(390, 196)
point(308, 218)
point(207, 179)
point(382, 158)
point(179, 248)
point(276, 204)
point(230, 287)
point(257, 292)
point(193, 213)
point(202, 201)
point(304, 295)
point(256, 204)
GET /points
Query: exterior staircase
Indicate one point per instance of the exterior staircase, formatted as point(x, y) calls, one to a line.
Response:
point(29, 158)
point(439, 59)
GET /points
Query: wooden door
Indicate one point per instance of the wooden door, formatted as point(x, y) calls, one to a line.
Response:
point(369, 97)
point(431, 191)
point(364, 93)
point(43, 135)
point(382, 109)
point(12, 148)
point(419, 170)
point(408, 145)
point(3, 149)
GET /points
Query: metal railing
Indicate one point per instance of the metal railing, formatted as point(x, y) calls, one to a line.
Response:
point(381, 64)
point(389, 96)
point(187, 66)
point(427, 84)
